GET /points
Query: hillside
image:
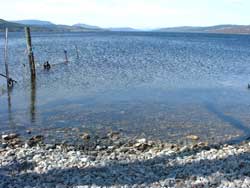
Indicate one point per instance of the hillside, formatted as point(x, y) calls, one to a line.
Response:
point(129, 29)
point(227, 29)
point(34, 22)
point(40, 26)
point(86, 26)
point(46, 26)
point(12, 26)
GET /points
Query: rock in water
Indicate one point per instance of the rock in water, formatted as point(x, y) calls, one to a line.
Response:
point(85, 136)
point(193, 137)
point(114, 135)
point(35, 140)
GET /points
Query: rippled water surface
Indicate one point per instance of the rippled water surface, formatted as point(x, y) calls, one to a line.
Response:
point(155, 85)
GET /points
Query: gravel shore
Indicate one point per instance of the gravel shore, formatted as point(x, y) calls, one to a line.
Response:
point(114, 161)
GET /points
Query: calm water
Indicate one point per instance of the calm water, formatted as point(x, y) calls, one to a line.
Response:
point(156, 85)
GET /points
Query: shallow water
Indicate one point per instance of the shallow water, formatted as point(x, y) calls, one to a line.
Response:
point(156, 85)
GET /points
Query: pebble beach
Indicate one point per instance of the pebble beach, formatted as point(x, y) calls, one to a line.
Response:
point(117, 161)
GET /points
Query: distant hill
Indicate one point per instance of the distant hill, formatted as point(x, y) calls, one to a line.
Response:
point(12, 26)
point(40, 26)
point(122, 29)
point(34, 22)
point(86, 26)
point(107, 29)
point(46, 26)
point(227, 29)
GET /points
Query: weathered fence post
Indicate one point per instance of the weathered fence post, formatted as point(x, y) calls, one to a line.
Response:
point(66, 56)
point(33, 100)
point(9, 84)
point(6, 56)
point(30, 53)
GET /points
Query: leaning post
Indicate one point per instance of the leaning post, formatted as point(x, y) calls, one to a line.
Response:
point(6, 56)
point(30, 53)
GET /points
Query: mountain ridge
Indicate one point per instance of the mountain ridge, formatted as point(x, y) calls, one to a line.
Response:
point(47, 26)
point(34, 22)
point(226, 29)
point(86, 26)
point(40, 26)
point(122, 29)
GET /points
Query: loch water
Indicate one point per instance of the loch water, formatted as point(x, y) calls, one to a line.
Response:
point(146, 84)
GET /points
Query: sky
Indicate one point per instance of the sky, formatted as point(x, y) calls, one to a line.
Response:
point(141, 14)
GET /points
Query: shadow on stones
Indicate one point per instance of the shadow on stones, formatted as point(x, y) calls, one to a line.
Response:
point(145, 172)
point(232, 121)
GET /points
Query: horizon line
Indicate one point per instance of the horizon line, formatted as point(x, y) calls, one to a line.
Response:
point(131, 27)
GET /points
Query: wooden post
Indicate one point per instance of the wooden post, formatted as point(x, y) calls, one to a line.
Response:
point(77, 52)
point(33, 100)
point(30, 53)
point(66, 56)
point(9, 82)
point(6, 56)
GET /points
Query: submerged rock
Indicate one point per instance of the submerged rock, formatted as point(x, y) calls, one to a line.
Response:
point(35, 140)
point(85, 136)
point(114, 135)
point(193, 137)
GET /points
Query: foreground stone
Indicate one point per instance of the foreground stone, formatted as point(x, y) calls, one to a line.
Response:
point(9, 136)
point(125, 163)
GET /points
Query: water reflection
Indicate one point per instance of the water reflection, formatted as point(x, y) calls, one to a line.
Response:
point(10, 115)
point(234, 122)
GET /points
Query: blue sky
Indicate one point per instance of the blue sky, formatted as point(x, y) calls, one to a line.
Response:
point(131, 13)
